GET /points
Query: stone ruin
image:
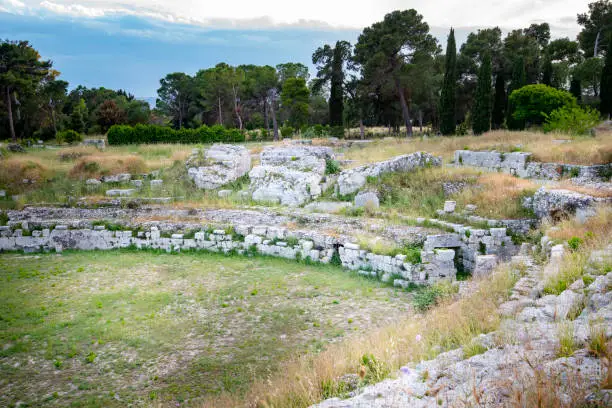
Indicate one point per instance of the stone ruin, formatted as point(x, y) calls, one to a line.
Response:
point(352, 180)
point(291, 175)
point(217, 166)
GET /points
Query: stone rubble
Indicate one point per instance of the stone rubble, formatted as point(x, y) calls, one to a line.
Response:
point(291, 176)
point(560, 203)
point(525, 346)
point(217, 166)
point(352, 180)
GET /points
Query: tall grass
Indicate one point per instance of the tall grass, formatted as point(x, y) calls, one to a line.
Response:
point(545, 148)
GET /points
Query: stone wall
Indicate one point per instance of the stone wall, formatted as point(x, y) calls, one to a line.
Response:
point(438, 257)
point(560, 203)
point(352, 180)
point(520, 164)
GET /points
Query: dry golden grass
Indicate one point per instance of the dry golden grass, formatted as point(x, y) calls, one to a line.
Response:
point(584, 150)
point(15, 169)
point(596, 231)
point(496, 194)
point(298, 383)
point(101, 165)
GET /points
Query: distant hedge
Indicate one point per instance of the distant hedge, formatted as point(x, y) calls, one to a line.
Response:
point(123, 134)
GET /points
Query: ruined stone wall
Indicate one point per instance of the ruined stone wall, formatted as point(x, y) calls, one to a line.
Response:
point(520, 164)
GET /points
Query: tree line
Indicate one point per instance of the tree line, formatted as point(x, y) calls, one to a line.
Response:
point(395, 75)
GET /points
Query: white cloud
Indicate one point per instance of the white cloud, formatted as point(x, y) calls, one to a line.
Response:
point(325, 13)
point(12, 6)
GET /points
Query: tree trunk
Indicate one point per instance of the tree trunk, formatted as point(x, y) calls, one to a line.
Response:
point(405, 111)
point(236, 108)
point(421, 121)
point(595, 48)
point(54, 121)
point(361, 129)
point(274, 122)
point(266, 119)
point(180, 112)
point(220, 114)
point(9, 109)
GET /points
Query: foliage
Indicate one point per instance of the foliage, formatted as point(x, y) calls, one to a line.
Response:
point(499, 102)
point(332, 166)
point(605, 95)
point(481, 120)
point(123, 134)
point(429, 296)
point(294, 98)
point(447, 99)
point(596, 27)
point(287, 131)
point(69, 136)
point(574, 243)
point(77, 118)
point(532, 103)
point(331, 63)
point(572, 120)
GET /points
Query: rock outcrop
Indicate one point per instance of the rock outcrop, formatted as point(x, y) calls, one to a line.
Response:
point(351, 181)
point(560, 203)
point(219, 165)
point(289, 175)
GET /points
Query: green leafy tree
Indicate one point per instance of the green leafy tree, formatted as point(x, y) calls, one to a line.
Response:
point(54, 94)
point(576, 89)
point(21, 70)
point(331, 65)
point(393, 50)
point(295, 98)
point(447, 98)
point(109, 114)
point(605, 96)
point(481, 114)
point(534, 102)
point(292, 70)
point(596, 26)
point(175, 96)
point(589, 74)
point(518, 81)
point(78, 117)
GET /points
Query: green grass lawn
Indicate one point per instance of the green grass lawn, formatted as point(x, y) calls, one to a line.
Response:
point(125, 327)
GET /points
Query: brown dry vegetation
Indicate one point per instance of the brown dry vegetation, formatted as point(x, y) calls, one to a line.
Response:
point(595, 231)
point(16, 169)
point(545, 148)
point(101, 165)
point(299, 382)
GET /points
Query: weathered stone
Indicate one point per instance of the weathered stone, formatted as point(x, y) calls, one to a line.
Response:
point(224, 193)
point(351, 181)
point(289, 175)
point(93, 182)
point(449, 206)
point(137, 183)
point(484, 265)
point(219, 165)
point(367, 199)
point(117, 178)
point(99, 143)
point(120, 192)
point(327, 206)
point(559, 203)
point(156, 183)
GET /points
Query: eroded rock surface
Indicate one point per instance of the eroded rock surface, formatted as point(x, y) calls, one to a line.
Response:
point(219, 165)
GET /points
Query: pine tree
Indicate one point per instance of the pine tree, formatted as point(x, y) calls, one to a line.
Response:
point(519, 80)
point(499, 102)
point(481, 113)
point(576, 89)
point(605, 93)
point(447, 98)
point(77, 118)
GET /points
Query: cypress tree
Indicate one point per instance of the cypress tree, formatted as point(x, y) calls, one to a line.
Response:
point(481, 114)
point(499, 102)
point(336, 102)
point(519, 80)
point(576, 89)
point(447, 98)
point(605, 93)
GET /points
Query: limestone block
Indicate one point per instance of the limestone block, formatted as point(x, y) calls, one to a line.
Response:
point(219, 165)
point(484, 265)
point(449, 206)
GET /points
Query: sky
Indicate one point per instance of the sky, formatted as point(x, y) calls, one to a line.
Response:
point(131, 44)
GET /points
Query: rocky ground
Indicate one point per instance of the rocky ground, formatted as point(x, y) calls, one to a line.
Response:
point(546, 352)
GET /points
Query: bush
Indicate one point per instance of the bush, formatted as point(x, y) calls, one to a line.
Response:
point(287, 131)
point(337, 131)
point(572, 120)
point(533, 103)
point(123, 134)
point(68, 136)
point(331, 166)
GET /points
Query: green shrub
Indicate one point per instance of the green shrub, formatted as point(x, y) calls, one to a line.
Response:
point(123, 134)
point(533, 103)
point(574, 243)
point(287, 131)
point(375, 369)
point(337, 131)
point(572, 120)
point(68, 136)
point(332, 166)
point(429, 296)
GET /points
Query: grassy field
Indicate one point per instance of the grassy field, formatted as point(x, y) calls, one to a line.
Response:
point(544, 146)
point(122, 328)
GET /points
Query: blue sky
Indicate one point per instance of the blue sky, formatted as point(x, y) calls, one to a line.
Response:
point(131, 44)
